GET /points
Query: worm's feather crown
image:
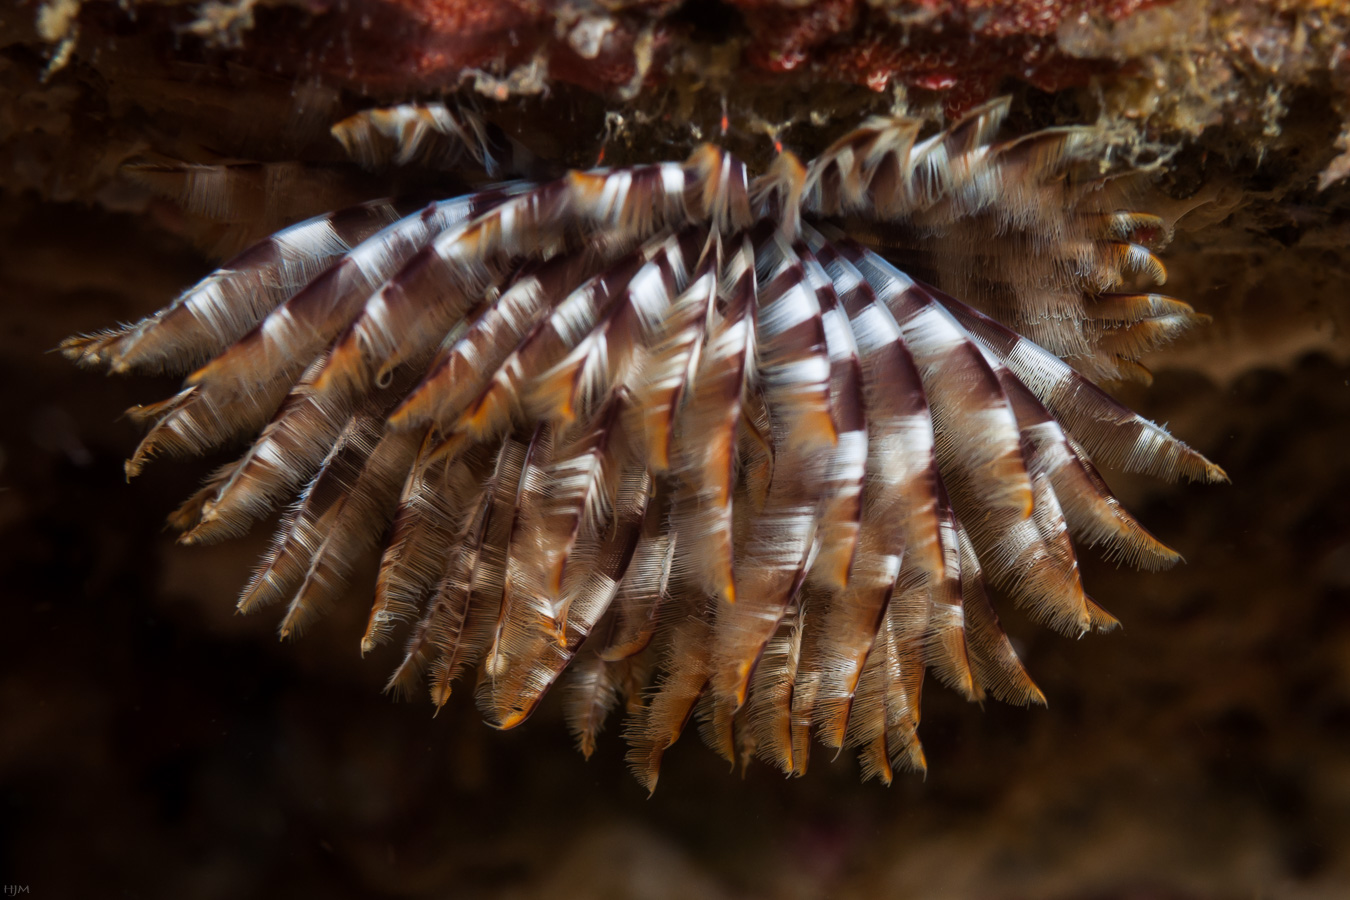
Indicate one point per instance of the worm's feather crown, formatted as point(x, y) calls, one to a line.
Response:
point(729, 449)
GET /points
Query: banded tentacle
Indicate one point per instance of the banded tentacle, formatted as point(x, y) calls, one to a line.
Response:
point(728, 449)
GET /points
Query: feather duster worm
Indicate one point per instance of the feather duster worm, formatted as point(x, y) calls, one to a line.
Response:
point(699, 439)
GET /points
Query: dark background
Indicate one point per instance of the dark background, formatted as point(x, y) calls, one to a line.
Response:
point(155, 744)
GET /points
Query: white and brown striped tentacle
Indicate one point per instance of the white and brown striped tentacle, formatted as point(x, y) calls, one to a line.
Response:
point(609, 358)
point(684, 679)
point(498, 395)
point(431, 134)
point(353, 531)
point(294, 333)
point(283, 567)
point(884, 716)
point(976, 438)
point(288, 451)
point(607, 211)
point(442, 490)
point(222, 307)
point(806, 690)
point(793, 359)
point(1092, 514)
point(1010, 541)
point(647, 586)
point(884, 169)
point(847, 633)
point(902, 469)
point(457, 627)
point(941, 166)
point(574, 493)
point(342, 513)
point(596, 683)
point(521, 584)
point(239, 390)
point(1029, 556)
point(769, 710)
point(945, 648)
point(842, 509)
point(865, 168)
point(837, 482)
point(587, 595)
point(592, 690)
point(908, 618)
point(571, 504)
point(1023, 184)
point(1002, 216)
point(708, 428)
point(183, 428)
point(724, 729)
point(1096, 517)
point(440, 639)
point(668, 378)
point(1109, 431)
point(994, 663)
point(899, 516)
point(716, 190)
point(253, 485)
point(277, 350)
point(461, 372)
point(964, 644)
point(414, 311)
point(784, 539)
